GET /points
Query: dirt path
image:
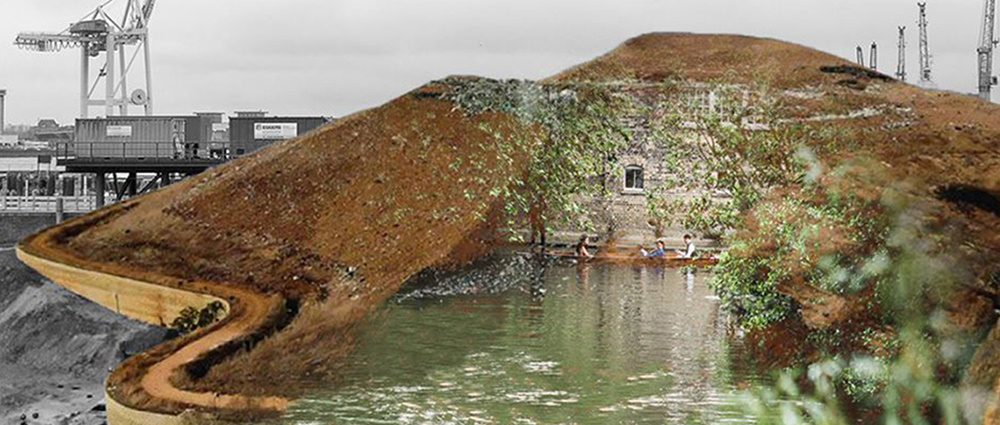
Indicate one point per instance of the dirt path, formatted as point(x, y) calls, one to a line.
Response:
point(157, 383)
point(249, 312)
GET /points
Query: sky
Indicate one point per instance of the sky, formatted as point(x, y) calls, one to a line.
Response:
point(335, 57)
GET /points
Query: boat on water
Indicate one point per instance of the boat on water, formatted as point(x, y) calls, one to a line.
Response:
point(669, 261)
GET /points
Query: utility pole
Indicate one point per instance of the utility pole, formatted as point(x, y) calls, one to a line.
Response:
point(985, 51)
point(925, 54)
point(901, 64)
point(874, 57)
point(861, 56)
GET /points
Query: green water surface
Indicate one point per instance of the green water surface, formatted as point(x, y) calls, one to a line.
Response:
point(571, 345)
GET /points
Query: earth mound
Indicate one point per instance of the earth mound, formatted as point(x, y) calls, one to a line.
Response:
point(349, 212)
point(943, 139)
point(342, 216)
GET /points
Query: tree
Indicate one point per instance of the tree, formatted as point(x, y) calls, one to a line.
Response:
point(558, 152)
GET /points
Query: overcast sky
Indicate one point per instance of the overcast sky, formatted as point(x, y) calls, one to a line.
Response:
point(334, 57)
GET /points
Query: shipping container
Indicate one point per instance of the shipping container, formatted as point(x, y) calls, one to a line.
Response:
point(214, 133)
point(177, 137)
point(249, 134)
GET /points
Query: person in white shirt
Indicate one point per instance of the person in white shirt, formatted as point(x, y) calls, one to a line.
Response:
point(689, 250)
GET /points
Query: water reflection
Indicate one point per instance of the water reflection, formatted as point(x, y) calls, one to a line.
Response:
point(514, 341)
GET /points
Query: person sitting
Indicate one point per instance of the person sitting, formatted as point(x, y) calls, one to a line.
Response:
point(581, 248)
point(688, 251)
point(659, 252)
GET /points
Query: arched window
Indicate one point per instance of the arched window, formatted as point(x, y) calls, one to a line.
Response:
point(634, 178)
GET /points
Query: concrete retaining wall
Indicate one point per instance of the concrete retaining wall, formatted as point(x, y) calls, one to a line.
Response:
point(145, 302)
point(121, 415)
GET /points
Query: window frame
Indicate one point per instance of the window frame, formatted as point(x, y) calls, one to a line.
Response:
point(642, 179)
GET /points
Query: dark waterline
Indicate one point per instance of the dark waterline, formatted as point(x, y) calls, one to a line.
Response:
point(514, 342)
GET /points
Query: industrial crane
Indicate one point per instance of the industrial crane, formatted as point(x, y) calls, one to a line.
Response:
point(986, 44)
point(98, 33)
point(925, 54)
point(901, 63)
point(873, 63)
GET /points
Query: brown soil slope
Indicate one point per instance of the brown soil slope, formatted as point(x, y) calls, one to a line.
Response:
point(936, 138)
point(371, 196)
point(699, 57)
point(944, 145)
point(353, 209)
point(345, 214)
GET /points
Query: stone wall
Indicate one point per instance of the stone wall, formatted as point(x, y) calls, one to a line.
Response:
point(627, 210)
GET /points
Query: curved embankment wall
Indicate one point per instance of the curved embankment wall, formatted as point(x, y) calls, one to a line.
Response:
point(250, 317)
point(145, 302)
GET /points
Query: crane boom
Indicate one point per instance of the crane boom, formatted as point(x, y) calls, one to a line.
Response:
point(45, 42)
point(147, 9)
point(985, 50)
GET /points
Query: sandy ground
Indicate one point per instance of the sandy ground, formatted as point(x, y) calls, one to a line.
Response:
point(56, 349)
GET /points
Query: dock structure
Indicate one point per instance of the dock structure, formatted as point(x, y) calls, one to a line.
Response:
point(107, 168)
point(132, 155)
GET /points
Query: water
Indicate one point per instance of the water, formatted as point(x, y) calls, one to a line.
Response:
point(513, 342)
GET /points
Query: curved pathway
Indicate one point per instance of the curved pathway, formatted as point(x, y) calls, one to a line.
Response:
point(127, 294)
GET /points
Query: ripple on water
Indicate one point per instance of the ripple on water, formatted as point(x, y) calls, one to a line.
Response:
point(516, 342)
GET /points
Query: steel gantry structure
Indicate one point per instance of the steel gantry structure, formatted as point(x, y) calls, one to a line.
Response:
point(873, 62)
point(98, 33)
point(925, 53)
point(901, 61)
point(987, 42)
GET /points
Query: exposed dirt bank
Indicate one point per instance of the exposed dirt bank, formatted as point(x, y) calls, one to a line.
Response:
point(337, 219)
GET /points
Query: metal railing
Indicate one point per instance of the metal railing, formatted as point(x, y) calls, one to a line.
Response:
point(47, 204)
point(142, 151)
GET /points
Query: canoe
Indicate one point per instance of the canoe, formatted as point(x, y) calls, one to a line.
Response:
point(670, 262)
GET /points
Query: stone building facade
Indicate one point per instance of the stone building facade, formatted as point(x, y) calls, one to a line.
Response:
point(641, 169)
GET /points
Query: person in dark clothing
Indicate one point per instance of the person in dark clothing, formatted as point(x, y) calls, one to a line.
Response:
point(689, 250)
point(581, 247)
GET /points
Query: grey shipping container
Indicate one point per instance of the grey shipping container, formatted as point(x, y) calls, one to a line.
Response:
point(249, 134)
point(140, 137)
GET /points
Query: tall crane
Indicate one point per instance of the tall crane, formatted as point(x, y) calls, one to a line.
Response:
point(873, 63)
point(986, 44)
point(98, 33)
point(901, 64)
point(925, 54)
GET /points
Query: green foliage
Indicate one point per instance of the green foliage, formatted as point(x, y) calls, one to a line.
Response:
point(812, 234)
point(912, 373)
point(730, 147)
point(192, 319)
point(563, 146)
